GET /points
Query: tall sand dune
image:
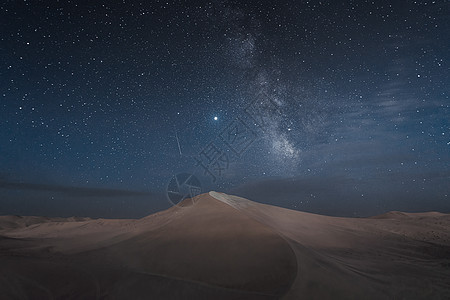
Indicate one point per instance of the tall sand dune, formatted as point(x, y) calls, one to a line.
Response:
point(218, 246)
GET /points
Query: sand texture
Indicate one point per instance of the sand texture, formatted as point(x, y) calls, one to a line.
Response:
point(226, 247)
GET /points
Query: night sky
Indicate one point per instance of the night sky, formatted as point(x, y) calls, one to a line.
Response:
point(332, 107)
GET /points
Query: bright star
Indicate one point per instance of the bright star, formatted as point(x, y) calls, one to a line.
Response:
point(216, 118)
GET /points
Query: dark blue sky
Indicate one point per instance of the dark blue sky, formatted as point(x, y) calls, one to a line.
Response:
point(339, 107)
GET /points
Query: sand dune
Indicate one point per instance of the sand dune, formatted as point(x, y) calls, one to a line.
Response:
point(226, 247)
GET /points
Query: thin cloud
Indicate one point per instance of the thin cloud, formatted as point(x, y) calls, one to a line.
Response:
point(69, 190)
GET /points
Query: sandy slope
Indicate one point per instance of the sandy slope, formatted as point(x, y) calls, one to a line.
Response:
point(226, 247)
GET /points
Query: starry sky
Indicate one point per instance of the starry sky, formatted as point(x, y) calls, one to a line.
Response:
point(332, 107)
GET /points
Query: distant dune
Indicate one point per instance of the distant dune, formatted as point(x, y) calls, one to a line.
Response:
point(226, 247)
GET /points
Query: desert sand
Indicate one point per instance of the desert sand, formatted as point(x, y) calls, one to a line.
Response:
point(218, 246)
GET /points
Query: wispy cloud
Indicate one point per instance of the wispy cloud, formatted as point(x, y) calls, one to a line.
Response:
point(69, 190)
point(342, 195)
